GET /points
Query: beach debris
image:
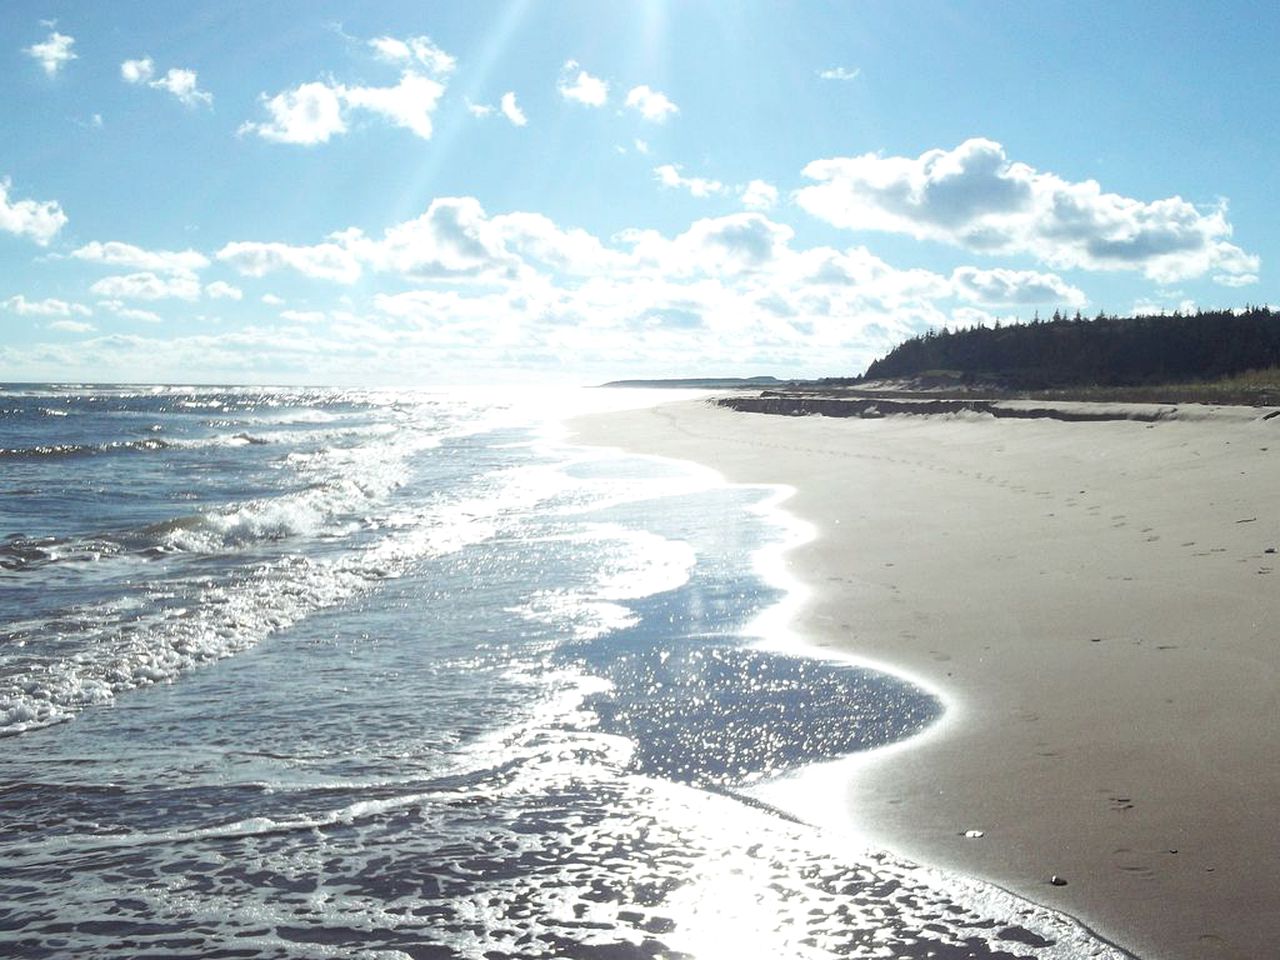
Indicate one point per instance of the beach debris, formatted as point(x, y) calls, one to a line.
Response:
point(973, 834)
point(1247, 520)
point(1057, 881)
point(1269, 550)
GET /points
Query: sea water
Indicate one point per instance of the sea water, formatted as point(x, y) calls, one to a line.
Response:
point(309, 673)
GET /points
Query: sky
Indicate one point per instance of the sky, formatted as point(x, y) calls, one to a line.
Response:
point(429, 193)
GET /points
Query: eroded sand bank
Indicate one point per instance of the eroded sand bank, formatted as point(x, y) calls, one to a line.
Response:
point(1101, 603)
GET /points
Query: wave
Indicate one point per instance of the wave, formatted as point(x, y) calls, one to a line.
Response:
point(59, 450)
point(182, 623)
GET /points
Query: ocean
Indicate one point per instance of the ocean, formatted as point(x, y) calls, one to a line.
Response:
point(358, 673)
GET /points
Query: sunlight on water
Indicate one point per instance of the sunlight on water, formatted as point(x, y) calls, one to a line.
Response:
point(401, 674)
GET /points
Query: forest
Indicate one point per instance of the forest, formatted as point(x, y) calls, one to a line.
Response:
point(1104, 351)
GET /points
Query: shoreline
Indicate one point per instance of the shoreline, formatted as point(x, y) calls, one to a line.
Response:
point(1095, 597)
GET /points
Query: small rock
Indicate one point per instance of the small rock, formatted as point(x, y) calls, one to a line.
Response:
point(1269, 550)
point(1057, 881)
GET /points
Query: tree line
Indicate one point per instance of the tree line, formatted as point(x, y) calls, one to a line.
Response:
point(1104, 351)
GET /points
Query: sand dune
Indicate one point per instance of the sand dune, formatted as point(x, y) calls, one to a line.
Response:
point(1100, 601)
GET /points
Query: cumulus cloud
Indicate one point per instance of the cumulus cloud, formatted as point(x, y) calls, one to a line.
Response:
point(53, 52)
point(579, 86)
point(1152, 308)
point(326, 261)
point(421, 51)
point(49, 307)
point(519, 280)
point(669, 176)
point(147, 286)
point(125, 312)
point(179, 82)
point(314, 112)
point(221, 290)
point(759, 195)
point(479, 109)
point(271, 300)
point(740, 241)
point(511, 110)
point(840, 73)
point(309, 114)
point(72, 326)
point(303, 316)
point(409, 104)
point(183, 85)
point(652, 105)
point(976, 198)
point(117, 254)
point(38, 219)
point(1001, 287)
point(137, 71)
point(1235, 280)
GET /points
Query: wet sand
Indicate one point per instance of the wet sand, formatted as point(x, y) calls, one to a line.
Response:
point(1100, 602)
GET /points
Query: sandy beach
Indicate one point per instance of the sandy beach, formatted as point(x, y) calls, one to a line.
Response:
point(1098, 602)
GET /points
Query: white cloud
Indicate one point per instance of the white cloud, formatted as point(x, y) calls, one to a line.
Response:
point(976, 198)
point(221, 290)
point(408, 104)
point(732, 290)
point(653, 106)
point(72, 326)
point(38, 219)
point(669, 175)
point(271, 300)
point(49, 307)
point(576, 84)
point(1150, 308)
point(308, 114)
point(303, 316)
point(147, 286)
point(419, 50)
point(326, 261)
point(137, 71)
point(479, 109)
point(183, 85)
point(1001, 287)
point(1235, 280)
point(642, 146)
point(126, 312)
point(53, 52)
point(452, 239)
point(840, 73)
point(759, 195)
point(314, 112)
point(511, 110)
point(117, 254)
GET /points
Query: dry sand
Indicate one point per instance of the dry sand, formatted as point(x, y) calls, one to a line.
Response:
point(1099, 604)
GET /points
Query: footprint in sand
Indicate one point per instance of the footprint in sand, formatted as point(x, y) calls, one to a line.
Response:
point(1138, 871)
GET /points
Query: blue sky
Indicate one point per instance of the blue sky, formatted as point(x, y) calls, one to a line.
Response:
point(431, 193)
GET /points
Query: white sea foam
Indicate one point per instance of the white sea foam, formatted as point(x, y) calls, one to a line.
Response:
point(118, 650)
